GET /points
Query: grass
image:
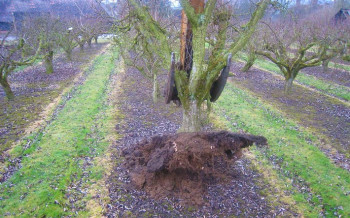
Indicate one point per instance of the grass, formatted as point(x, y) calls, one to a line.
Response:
point(322, 185)
point(323, 86)
point(340, 66)
point(21, 68)
point(54, 160)
point(20, 112)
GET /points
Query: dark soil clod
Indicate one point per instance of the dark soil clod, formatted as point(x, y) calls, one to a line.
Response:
point(182, 165)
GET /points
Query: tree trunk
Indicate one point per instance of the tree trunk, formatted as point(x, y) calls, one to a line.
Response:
point(346, 58)
point(288, 85)
point(155, 93)
point(81, 45)
point(6, 86)
point(191, 118)
point(250, 62)
point(89, 42)
point(69, 55)
point(96, 37)
point(48, 62)
point(325, 67)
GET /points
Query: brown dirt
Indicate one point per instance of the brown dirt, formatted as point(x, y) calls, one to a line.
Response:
point(184, 164)
point(243, 195)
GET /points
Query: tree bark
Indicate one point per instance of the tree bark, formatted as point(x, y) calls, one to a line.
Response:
point(288, 85)
point(155, 93)
point(250, 62)
point(96, 38)
point(191, 118)
point(48, 62)
point(81, 45)
point(69, 55)
point(89, 42)
point(325, 65)
point(6, 86)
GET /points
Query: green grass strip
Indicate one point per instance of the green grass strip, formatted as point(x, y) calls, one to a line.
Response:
point(340, 66)
point(323, 86)
point(39, 188)
point(291, 148)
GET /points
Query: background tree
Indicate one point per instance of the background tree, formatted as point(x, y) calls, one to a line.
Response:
point(11, 57)
point(66, 39)
point(134, 46)
point(297, 44)
point(47, 28)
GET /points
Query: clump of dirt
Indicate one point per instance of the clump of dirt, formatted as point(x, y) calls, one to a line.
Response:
point(183, 165)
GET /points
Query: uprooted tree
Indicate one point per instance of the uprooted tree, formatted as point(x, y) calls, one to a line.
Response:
point(195, 75)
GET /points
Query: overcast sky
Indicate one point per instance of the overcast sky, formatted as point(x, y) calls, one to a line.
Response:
point(175, 3)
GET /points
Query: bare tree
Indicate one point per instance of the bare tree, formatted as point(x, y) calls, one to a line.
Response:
point(134, 46)
point(294, 45)
point(11, 57)
point(45, 27)
point(66, 40)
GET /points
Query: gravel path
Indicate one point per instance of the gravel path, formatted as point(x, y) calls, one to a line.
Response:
point(239, 197)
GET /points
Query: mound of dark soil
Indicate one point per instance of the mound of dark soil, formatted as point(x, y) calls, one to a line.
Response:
point(183, 165)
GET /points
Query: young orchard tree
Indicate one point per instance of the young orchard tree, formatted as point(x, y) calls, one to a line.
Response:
point(11, 57)
point(66, 39)
point(98, 26)
point(135, 55)
point(280, 38)
point(91, 22)
point(85, 30)
point(194, 83)
point(134, 46)
point(345, 53)
point(333, 37)
point(80, 38)
point(45, 27)
point(330, 50)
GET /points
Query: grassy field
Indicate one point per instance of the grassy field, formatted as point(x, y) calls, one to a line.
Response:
point(323, 86)
point(339, 66)
point(317, 186)
point(58, 165)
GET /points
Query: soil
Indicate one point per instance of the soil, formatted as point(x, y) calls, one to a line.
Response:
point(323, 114)
point(34, 91)
point(241, 195)
point(184, 164)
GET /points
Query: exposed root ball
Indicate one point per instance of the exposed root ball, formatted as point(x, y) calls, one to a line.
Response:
point(182, 165)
